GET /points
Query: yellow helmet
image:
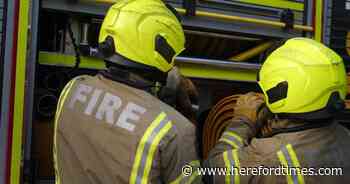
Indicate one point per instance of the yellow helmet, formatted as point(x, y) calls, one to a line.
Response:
point(144, 32)
point(303, 76)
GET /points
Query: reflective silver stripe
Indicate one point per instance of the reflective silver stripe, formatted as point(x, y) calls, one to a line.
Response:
point(189, 179)
point(290, 164)
point(232, 164)
point(233, 132)
point(195, 164)
point(226, 137)
point(148, 144)
point(288, 158)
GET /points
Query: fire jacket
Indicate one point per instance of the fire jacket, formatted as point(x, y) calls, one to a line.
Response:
point(108, 132)
point(309, 156)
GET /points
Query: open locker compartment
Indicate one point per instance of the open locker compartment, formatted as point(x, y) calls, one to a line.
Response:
point(226, 43)
point(209, 40)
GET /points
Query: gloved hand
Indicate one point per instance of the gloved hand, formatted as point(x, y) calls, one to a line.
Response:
point(180, 93)
point(186, 97)
point(247, 110)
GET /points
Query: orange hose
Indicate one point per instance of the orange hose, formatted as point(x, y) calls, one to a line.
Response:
point(216, 122)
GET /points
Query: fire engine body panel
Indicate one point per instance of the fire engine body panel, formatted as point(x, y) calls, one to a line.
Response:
point(226, 43)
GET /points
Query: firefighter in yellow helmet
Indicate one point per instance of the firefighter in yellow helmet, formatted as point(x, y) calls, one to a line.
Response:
point(304, 85)
point(112, 128)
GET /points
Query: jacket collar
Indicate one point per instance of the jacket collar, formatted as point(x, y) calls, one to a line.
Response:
point(129, 78)
point(278, 126)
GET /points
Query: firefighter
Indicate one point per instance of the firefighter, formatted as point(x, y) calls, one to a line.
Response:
point(112, 128)
point(304, 86)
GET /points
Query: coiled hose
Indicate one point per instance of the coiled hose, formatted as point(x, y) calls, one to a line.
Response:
point(218, 118)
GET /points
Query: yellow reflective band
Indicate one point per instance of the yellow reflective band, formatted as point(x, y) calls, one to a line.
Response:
point(192, 178)
point(232, 139)
point(147, 147)
point(288, 158)
point(233, 144)
point(228, 166)
point(154, 146)
point(231, 160)
point(188, 179)
point(61, 100)
point(141, 146)
point(237, 165)
point(296, 163)
point(178, 179)
point(284, 163)
point(233, 134)
point(195, 164)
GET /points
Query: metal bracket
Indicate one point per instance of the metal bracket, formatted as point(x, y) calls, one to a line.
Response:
point(287, 17)
point(190, 7)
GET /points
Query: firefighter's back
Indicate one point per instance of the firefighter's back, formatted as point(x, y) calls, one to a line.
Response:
point(108, 132)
